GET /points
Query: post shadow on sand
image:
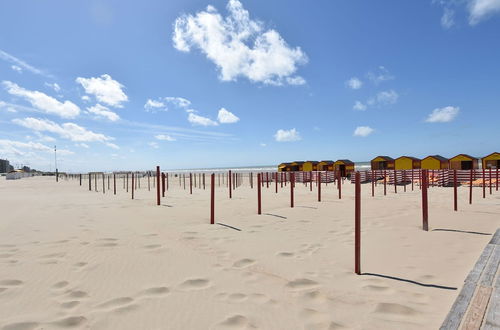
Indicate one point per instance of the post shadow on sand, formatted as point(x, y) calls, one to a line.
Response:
point(461, 231)
point(410, 281)
point(228, 226)
point(275, 215)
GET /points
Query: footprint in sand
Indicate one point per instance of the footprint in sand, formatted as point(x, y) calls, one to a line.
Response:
point(302, 284)
point(115, 303)
point(243, 263)
point(394, 309)
point(155, 291)
point(285, 254)
point(195, 284)
point(77, 294)
point(377, 288)
point(70, 304)
point(80, 265)
point(21, 326)
point(11, 282)
point(69, 322)
point(152, 246)
point(234, 322)
point(60, 285)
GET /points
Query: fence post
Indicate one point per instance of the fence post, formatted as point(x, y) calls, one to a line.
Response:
point(259, 196)
point(373, 184)
point(292, 183)
point(276, 181)
point(395, 182)
point(490, 181)
point(470, 186)
point(357, 225)
point(339, 184)
point(162, 184)
point(319, 186)
point(90, 182)
point(158, 185)
point(166, 177)
point(212, 198)
point(425, 214)
point(455, 202)
point(484, 184)
point(103, 184)
point(191, 183)
point(114, 184)
point(230, 184)
point(385, 182)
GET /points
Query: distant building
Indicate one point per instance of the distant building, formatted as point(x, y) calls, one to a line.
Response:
point(344, 166)
point(406, 163)
point(435, 162)
point(4, 166)
point(382, 163)
point(26, 169)
point(464, 162)
point(492, 160)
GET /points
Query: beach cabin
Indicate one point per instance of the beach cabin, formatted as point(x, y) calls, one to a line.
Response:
point(464, 162)
point(382, 163)
point(492, 160)
point(407, 163)
point(344, 166)
point(309, 166)
point(296, 166)
point(285, 167)
point(326, 165)
point(434, 162)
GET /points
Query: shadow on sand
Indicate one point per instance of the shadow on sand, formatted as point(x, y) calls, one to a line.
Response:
point(411, 281)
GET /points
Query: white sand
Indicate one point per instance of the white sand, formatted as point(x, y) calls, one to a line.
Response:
point(70, 258)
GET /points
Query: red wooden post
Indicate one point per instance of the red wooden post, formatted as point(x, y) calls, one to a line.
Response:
point(114, 184)
point(259, 196)
point(455, 202)
point(157, 185)
point(251, 180)
point(395, 182)
point(484, 184)
point(319, 186)
point(166, 178)
point(163, 184)
point(425, 214)
point(80, 179)
point(103, 184)
point(149, 181)
point(357, 225)
point(310, 181)
point(191, 183)
point(404, 180)
point(496, 180)
point(267, 179)
point(292, 184)
point(373, 184)
point(385, 183)
point(229, 184)
point(204, 181)
point(412, 180)
point(339, 185)
point(90, 182)
point(276, 182)
point(127, 182)
point(132, 185)
point(470, 186)
point(490, 181)
point(212, 198)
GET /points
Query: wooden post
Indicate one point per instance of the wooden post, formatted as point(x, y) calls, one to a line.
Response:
point(162, 184)
point(157, 185)
point(496, 180)
point(385, 182)
point(191, 183)
point(166, 178)
point(339, 185)
point(230, 184)
point(490, 182)
point(357, 225)
point(127, 182)
point(114, 184)
point(470, 185)
point(319, 186)
point(404, 180)
point(259, 196)
point(455, 202)
point(80, 179)
point(132, 185)
point(484, 184)
point(292, 184)
point(276, 182)
point(425, 214)
point(267, 180)
point(395, 182)
point(149, 181)
point(90, 182)
point(412, 180)
point(108, 181)
point(310, 181)
point(103, 184)
point(251, 180)
point(204, 180)
point(373, 184)
point(212, 198)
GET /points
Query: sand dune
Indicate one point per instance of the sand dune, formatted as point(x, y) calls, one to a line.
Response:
point(75, 259)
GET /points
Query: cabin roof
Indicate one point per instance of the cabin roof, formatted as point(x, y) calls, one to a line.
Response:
point(438, 157)
point(412, 158)
point(327, 161)
point(493, 153)
point(465, 155)
point(387, 158)
point(345, 161)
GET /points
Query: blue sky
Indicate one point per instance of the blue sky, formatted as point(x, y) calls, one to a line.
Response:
point(209, 83)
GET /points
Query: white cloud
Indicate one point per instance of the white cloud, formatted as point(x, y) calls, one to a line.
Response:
point(112, 145)
point(384, 98)
point(381, 74)
point(226, 117)
point(482, 9)
point(354, 83)
point(153, 145)
point(263, 145)
point(199, 120)
point(82, 145)
point(54, 86)
point(20, 63)
point(363, 131)
point(287, 135)
point(359, 106)
point(239, 46)
point(102, 111)
point(16, 68)
point(443, 115)
point(105, 89)
point(23, 148)
point(164, 137)
point(70, 131)
point(43, 102)
point(85, 98)
point(448, 18)
point(163, 103)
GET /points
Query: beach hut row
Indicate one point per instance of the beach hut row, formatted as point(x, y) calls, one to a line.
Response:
point(435, 162)
point(344, 166)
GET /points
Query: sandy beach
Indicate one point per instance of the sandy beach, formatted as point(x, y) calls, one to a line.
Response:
point(73, 258)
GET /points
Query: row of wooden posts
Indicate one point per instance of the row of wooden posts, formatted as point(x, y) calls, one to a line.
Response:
point(234, 180)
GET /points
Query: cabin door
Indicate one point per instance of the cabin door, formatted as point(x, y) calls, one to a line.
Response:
point(342, 170)
point(466, 165)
